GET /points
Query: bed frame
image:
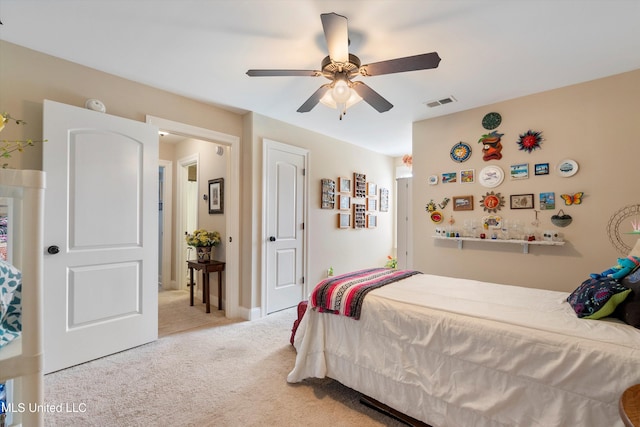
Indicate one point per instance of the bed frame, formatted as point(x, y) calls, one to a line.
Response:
point(456, 352)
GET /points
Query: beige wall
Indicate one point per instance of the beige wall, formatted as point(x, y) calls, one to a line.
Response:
point(596, 123)
point(29, 77)
point(342, 249)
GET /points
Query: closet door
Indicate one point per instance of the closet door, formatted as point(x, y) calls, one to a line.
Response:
point(404, 233)
point(101, 235)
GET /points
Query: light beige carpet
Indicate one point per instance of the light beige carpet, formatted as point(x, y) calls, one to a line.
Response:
point(205, 370)
point(176, 315)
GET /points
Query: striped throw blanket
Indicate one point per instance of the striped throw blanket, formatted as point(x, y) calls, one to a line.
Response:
point(345, 293)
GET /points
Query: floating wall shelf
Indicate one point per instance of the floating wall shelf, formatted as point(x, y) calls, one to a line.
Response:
point(525, 243)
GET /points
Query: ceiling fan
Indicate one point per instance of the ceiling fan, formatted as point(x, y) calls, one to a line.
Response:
point(341, 66)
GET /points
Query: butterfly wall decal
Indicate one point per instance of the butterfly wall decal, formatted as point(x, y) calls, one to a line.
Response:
point(574, 199)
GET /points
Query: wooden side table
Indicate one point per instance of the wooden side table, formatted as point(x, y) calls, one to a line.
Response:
point(629, 406)
point(206, 268)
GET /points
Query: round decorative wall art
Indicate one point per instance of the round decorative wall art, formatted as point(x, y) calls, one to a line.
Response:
point(567, 168)
point(436, 217)
point(530, 140)
point(618, 227)
point(491, 176)
point(492, 202)
point(491, 121)
point(461, 152)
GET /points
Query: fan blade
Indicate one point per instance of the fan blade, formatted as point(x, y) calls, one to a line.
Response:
point(269, 73)
point(400, 65)
point(314, 99)
point(372, 97)
point(337, 36)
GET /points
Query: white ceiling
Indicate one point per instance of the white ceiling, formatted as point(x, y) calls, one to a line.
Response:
point(491, 50)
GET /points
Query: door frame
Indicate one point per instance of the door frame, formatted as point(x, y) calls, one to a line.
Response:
point(181, 251)
point(167, 203)
point(266, 145)
point(232, 202)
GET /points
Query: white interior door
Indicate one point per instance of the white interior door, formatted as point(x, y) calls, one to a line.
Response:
point(100, 288)
point(404, 233)
point(285, 234)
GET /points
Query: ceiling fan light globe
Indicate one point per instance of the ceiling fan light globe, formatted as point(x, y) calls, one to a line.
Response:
point(341, 92)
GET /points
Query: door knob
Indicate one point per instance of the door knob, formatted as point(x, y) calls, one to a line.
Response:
point(272, 239)
point(53, 249)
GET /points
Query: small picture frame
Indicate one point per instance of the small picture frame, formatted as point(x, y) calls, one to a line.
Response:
point(372, 221)
point(344, 202)
point(521, 201)
point(384, 200)
point(372, 189)
point(359, 186)
point(344, 220)
point(216, 196)
point(359, 215)
point(328, 194)
point(547, 201)
point(462, 203)
point(449, 177)
point(541, 169)
point(344, 185)
point(468, 176)
point(372, 204)
point(520, 171)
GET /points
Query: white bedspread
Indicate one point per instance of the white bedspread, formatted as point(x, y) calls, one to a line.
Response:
point(456, 352)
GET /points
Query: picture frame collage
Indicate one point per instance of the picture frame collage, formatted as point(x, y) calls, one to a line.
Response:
point(357, 200)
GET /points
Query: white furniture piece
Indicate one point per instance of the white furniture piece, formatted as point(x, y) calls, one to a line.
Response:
point(22, 359)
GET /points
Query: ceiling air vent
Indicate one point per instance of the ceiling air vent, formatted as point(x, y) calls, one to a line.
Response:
point(438, 102)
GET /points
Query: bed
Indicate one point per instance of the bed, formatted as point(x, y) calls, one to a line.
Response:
point(459, 352)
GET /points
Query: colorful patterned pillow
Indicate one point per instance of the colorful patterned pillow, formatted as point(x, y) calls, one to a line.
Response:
point(629, 309)
point(10, 303)
point(597, 298)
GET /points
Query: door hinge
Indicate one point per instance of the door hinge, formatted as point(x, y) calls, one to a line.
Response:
point(304, 172)
point(303, 225)
point(303, 280)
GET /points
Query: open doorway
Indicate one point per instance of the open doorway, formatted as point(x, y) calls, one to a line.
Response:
point(231, 146)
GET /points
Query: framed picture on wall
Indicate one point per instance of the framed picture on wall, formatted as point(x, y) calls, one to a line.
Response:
point(372, 189)
point(468, 176)
point(372, 221)
point(372, 204)
point(344, 220)
point(344, 185)
point(328, 194)
point(541, 169)
point(384, 200)
point(519, 171)
point(216, 196)
point(345, 202)
point(522, 201)
point(462, 203)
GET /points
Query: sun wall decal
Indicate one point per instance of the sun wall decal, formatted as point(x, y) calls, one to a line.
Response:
point(530, 140)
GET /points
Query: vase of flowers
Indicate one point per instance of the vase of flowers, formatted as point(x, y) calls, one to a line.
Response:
point(203, 241)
